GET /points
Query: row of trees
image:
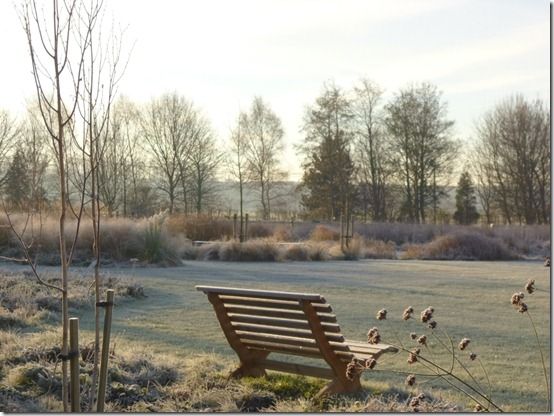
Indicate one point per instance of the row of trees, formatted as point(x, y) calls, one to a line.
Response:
point(384, 159)
point(166, 146)
point(393, 161)
point(389, 161)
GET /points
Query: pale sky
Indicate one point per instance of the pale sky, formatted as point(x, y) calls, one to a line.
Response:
point(220, 54)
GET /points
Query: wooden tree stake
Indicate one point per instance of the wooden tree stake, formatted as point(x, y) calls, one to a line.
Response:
point(74, 364)
point(105, 351)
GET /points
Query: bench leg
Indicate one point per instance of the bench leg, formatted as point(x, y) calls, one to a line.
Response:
point(251, 368)
point(339, 386)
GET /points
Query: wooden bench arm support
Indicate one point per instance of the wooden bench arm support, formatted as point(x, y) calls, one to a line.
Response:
point(340, 384)
point(248, 358)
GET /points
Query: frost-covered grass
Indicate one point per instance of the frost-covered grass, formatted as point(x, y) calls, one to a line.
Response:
point(471, 299)
point(175, 326)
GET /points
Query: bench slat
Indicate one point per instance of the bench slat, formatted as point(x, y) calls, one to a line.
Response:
point(305, 342)
point(272, 303)
point(364, 346)
point(272, 313)
point(253, 293)
point(284, 348)
point(300, 333)
point(302, 369)
point(281, 339)
point(305, 351)
point(287, 323)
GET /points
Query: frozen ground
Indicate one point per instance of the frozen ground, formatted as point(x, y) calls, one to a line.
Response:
point(471, 299)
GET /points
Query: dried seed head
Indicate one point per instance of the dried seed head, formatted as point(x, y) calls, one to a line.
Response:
point(464, 343)
point(414, 402)
point(410, 380)
point(472, 356)
point(407, 314)
point(478, 408)
point(353, 368)
point(350, 371)
point(370, 363)
point(413, 335)
point(432, 325)
point(516, 298)
point(547, 261)
point(373, 336)
point(522, 307)
point(422, 340)
point(382, 314)
point(421, 396)
point(412, 358)
point(427, 314)
point(530, 286)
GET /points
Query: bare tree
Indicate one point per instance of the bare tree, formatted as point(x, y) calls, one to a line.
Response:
point(33, 142)
point(264, 145)
point(122, 164)
point(101, 73)
point(485, 183)
point(514, 152)
point(237, 164)
point(164, 124)
point(371, 152)
point(9, 131)
point(203, 159)
point(57, 58)
point(183, 149)
point(423, 149)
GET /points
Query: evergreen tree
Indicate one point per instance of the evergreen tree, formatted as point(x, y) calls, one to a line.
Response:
point(466, 211)
point(328, 169)
point(17, 187)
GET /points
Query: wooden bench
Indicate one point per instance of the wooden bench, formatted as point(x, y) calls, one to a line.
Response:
point(259, 322)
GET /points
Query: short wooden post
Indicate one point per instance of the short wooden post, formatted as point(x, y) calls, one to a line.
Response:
point(234, 227)
point(245, 227)
point(74, 364)
point(341, 232)
point(105, 351)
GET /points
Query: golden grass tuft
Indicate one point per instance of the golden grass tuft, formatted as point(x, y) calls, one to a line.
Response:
point(324, 233)
point(460, 246)
point(283, 233)
point(200, 227)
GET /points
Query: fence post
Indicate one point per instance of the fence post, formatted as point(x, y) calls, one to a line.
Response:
point(235, 227)
point(105, 351)
point(74, 364)
point(341, 237)
point(245, 227)
point(352, 227)
point(347, 221)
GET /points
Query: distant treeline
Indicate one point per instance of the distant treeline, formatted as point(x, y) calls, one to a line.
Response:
point(387, 161)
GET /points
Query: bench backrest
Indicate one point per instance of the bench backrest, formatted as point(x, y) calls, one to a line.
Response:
point(286, 322)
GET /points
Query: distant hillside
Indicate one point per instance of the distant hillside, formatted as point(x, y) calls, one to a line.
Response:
point(288, 198)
